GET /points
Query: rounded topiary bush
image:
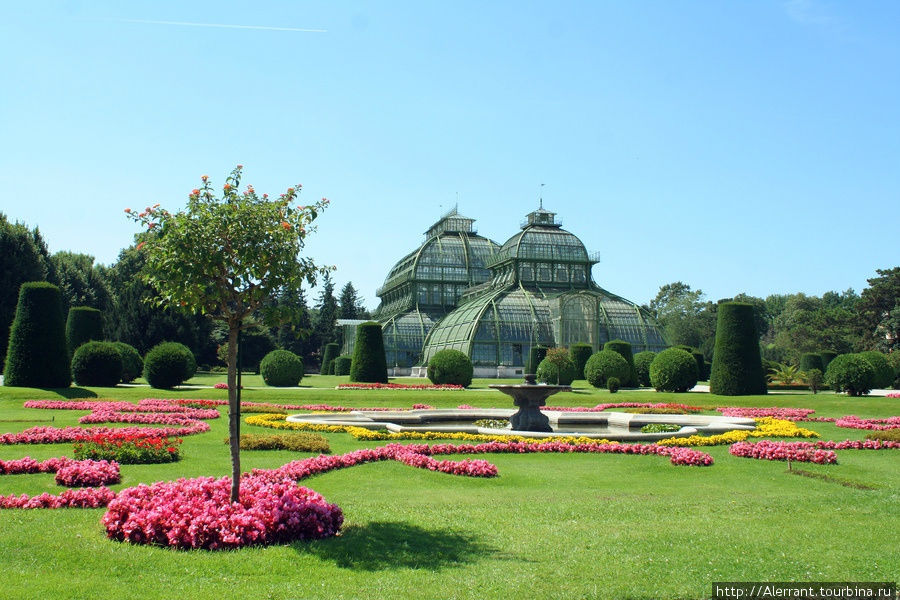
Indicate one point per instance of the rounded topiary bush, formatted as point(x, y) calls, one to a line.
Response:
point(642, 362)
point(605, 364)
point(850, 373)
point(580, 353)
point(613, 384)
point(37, 355)
point(884, 372)
point(169, 364)
point(702, 368)
point(83, 325)
point(535, 355)
point(342, 364)
point(369, 363)
point(673, 370)
point(549, 372)
point(810, 361)
point(624, 348)
point(97, 364)
point(450, 367)
point(827, 357)
point(737, 365)
point(328, 355)
point(281, 368)
point(132, 363)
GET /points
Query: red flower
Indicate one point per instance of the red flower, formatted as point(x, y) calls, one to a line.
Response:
point(141, 245)
point(227, 186)
point(128, 210)
point(195, 192)
point(286, 225)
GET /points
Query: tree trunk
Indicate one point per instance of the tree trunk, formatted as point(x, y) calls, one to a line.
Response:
point(234, 412)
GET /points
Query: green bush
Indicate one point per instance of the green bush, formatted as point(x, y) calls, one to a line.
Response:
point(827, 357)
point(328, 355)
point(281, 368)
point(850, 373)
point(97, 364)
point(580, 353)
point(132, 363)
point(612, 384)
point(169, 364)
point(450, 367)
point(535, 356)
point(737, 366)
point(884, 372)
point(549, 372)
point(815, 378)
point(83, 325)
point(885, 435)
point(642, 362)
point(624, 348)
point(369, 363)
point(894, 360)
point(256, 342)
point(37, 355)
point(605, 364)
point(296, 442)
point(702, 365)
point(342, 364)
point(673, 370)
point(811, 360)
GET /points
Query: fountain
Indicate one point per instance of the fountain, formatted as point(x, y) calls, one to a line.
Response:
point(529, 397)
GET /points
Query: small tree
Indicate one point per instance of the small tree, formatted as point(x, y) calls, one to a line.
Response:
point(37, 355)
point(226, 257)
point(562, 364)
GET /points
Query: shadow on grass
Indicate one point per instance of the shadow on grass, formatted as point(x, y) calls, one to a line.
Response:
point(71, 393)
point(380, 546)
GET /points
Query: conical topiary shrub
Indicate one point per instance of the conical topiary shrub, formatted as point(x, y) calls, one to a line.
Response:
point(737, 366)
point(328, 355)
point(580, 353)
point(624, 348)
point(369, 363)
point(83, 324)
point(37, 354)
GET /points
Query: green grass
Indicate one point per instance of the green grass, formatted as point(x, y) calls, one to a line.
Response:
point(550, 526)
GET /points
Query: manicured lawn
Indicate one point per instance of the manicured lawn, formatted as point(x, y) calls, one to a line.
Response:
point(550, 526)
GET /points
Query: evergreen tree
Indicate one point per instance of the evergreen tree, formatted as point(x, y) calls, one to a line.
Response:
point(325, 325)
point(350, 303)
point(298, 337)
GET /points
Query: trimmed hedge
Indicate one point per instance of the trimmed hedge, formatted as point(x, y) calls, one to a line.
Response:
point(547, 372)
point(97, 364)
point(37, 355)
point(850, 373)
point(369, 363)
point(612, 384)
point(642, 362)
point(673, 370)
point(169, 364)
point(342, 364)
point(605, 364)
point(580, 353)
point(737, 366)
point(827, 357)
point(810, 361)
point(535, 356)
point(281, 368)
point(83, 325)
point(702, 366)
point(328, 355)
point(624, 348)
point(884, 372)
point(132, 363)
point(450, 367)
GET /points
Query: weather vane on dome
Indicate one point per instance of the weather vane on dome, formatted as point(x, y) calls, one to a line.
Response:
point(541, 196)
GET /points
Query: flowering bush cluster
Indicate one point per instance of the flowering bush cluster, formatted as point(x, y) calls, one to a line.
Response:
point(129, 450)
point(858, 445)
point(398, 386)
point(795, 451)
point(854, 422)
point(88, 473)
point(74, 498)
point(29, 465)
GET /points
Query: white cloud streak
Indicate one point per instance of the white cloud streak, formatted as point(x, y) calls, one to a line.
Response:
point(220, 25)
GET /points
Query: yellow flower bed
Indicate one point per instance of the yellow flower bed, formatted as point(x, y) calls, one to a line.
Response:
point(765, 427)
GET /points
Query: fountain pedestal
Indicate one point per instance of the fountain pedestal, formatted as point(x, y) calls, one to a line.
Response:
point(530, 397)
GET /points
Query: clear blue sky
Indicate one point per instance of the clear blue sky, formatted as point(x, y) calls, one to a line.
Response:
point(736, 146)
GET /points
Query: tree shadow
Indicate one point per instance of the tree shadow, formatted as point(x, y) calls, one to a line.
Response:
point(379, 546)
point(71, 393)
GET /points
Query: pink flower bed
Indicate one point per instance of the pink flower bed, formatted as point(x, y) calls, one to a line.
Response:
point(892, 395)
point(787, 414)
point(29, 465)
point(854, 422)
point(60, 435)
point(397, 386)
point(795, 451)
point(608, 405)
point(74, 498)
point(197, 513)
point(307, 407)
point(858, 445)
point(88, 473)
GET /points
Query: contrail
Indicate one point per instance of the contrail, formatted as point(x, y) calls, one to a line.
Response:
point(221, 25)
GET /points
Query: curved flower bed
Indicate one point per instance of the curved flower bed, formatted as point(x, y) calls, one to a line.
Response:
point(88, 473)
point(74, 498)
point(398, 386)
point(608, 405)
point(854, 422)
point(306, 407)
point(786, 414)
point(795, 451)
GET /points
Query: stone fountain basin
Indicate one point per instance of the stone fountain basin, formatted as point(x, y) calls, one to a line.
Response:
point(613, 426)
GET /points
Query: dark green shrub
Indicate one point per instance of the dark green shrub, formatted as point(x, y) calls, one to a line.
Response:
point(256, 342)
point(342, 364)
point(894, 360)
point(827, 357)
point(132, 363)
point(83, 325)
point(549, 372)
point(580, 353)
point(612, 384)
point(535, 356)
point(850, 373)
point(37, 355)
point(702, 365)
point(450, 367)
point(884, 372)
point(624, 348)
point(811, 360)
point(281, 368)
point(296, 442)
point(97, 364)
point(737, 366)
point(815, 378)
point(605, 364)
point(328, 355)
point(369, 363)
point(169, 364)
point(673, 370)
point(642, 362)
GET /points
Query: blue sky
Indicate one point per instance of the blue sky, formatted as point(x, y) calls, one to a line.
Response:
point(736, 146)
